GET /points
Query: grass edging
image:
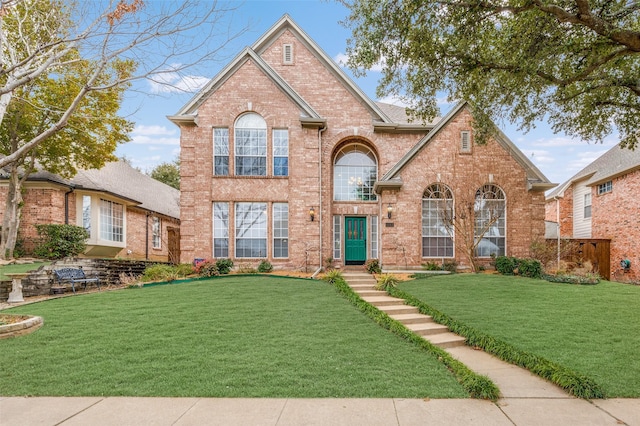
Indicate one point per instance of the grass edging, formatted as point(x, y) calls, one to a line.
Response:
point(574, 383)
point(477, 385)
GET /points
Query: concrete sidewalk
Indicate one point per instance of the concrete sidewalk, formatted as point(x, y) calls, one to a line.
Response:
point(15, 411)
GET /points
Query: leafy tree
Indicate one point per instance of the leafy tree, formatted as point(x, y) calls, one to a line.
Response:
point(65, 67)
point(168, 173)
point(573, 63)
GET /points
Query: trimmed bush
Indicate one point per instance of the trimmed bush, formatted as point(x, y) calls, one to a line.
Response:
point(207, 268)
point(60, 241)
point(506, 265)
point(265, 267)
point(530, 268)
point(224, 266)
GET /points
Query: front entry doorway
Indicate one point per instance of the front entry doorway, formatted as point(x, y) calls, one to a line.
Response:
point(355, 230)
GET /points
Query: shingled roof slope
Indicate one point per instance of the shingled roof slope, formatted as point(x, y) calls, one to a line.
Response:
point(613, 163)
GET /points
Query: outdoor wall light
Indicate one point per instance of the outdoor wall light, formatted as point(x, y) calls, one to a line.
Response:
point(312, 214)
point(389, 211)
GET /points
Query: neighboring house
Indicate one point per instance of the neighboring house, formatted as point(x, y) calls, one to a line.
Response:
point(283, 158)
point(127, 213)
point(601, 202)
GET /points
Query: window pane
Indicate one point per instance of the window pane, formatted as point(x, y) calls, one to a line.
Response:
point(86, 213)
point(221, 152)
point(111, 221)
point(280, 230)
point(251, 145)
point(220, 230)
point(251, 229)
point(354, 173)
point(337, 233)
point(437, 233)
point(490, 224)
point(156, 233)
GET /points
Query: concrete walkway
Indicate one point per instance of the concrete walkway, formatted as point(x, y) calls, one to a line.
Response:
point(526, 400)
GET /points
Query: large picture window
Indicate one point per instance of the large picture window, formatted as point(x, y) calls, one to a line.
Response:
point(355, 171)
point(280, 230)
point(251, 230)
point(220, 230)
point(437, 234)
point(111, 221)
point(221, 152)
point(490, 221)
point(251, 145)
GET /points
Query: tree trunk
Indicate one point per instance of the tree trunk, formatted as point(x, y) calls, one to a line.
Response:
point(11, 218)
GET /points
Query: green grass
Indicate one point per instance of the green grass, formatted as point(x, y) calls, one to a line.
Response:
point(593, 330)
point(223, 337)
point(19, 268)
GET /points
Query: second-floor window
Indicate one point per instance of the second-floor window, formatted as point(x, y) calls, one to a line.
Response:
point(280, 152)
point(250, 145)
point(221, 151)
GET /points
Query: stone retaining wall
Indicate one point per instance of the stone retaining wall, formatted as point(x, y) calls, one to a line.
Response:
point(39, 282)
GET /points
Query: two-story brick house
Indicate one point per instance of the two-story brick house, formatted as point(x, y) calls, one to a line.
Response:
point(283, 158)
point(601, 202)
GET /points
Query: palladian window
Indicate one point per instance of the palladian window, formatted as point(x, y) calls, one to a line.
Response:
point(355, 170)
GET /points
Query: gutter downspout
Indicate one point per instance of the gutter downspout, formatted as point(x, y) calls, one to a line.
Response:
point(146, 237)
point(66, 205)
point(320, 131)
point(558, 225)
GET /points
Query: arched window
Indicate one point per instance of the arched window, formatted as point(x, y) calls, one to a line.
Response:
point(437, 213)
point(355, 170)
point(490, 217)
point(251, 145)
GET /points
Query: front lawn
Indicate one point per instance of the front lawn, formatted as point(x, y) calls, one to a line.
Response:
point(591, 329)
point(231, 336)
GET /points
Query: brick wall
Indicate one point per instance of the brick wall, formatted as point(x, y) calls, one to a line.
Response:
point(616, 216)
point(348, 121)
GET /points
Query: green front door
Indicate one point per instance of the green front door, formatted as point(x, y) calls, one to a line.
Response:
point(355, 229)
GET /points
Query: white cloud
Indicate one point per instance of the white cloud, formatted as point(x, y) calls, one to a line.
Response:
point(539, 156)
point(171, 81)
point(154, 135)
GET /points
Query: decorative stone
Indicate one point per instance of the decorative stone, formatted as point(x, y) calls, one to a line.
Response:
point(15, 295)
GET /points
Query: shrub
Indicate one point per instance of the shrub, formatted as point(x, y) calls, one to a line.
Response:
point(224, 266)
point(372, 266)
point(530, 268)
point(159, 272)
point(431, 266)
point(387, 281)
point(328, 263)
point(450, 266)
point(265, 267)
point(184, 269)
point(60, 241)
point(207, 268)
point(333, 276)
point(506, 265)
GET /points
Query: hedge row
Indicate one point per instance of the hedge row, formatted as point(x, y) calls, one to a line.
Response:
point(477, 385)
point(572, 382)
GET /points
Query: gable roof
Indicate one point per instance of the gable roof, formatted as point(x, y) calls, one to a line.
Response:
point(381, 121)
point(616, 162)
point(120, 180)
point(536, 180)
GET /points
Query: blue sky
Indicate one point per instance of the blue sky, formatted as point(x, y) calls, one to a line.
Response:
point(155, 139)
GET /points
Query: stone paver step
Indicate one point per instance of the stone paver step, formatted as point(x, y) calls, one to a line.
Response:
point(353, 281)
point(445, 340)
point(427, 328)
point(411, 318)
point(369, 293)
point(383, 300)
point(398, 309)
point(357, 287)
